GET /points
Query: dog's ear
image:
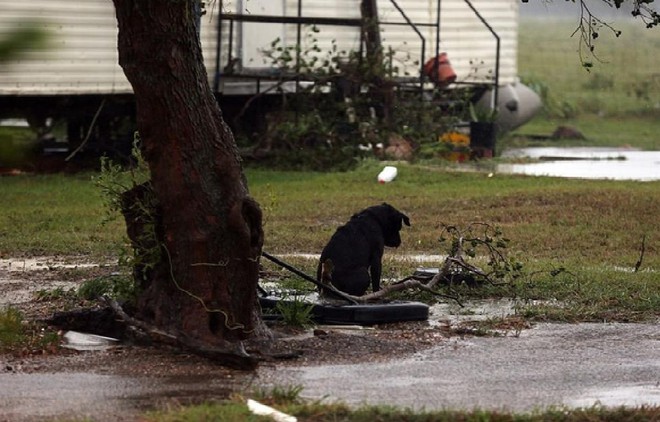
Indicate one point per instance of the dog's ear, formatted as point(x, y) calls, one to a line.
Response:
point(405, 219)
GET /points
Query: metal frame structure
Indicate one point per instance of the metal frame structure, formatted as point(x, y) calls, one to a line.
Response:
point(299, 20)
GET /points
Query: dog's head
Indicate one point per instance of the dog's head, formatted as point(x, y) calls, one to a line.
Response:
point(391, 221)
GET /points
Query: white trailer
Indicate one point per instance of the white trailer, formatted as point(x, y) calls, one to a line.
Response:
point(77, 74)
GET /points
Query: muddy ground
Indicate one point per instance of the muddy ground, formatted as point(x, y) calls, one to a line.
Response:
point(120, 382)
point(425, 365)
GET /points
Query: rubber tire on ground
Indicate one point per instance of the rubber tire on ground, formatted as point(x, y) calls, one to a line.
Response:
point(362, 314)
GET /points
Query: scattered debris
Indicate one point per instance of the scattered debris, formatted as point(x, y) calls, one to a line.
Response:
point(567, 132)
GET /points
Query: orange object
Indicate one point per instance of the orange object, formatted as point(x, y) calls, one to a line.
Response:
point(445, 73)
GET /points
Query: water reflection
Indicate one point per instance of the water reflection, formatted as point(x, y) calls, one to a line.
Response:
point(586, 163)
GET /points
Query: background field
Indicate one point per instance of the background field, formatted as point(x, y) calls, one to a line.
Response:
point(616, 103)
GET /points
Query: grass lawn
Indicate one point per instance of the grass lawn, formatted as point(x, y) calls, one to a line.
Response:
point(594, 229)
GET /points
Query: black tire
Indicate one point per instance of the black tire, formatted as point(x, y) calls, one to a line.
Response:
point(363, 314)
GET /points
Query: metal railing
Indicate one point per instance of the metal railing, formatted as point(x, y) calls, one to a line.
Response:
point(299, 20)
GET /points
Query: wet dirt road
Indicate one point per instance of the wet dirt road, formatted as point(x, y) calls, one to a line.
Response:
point(575, 365)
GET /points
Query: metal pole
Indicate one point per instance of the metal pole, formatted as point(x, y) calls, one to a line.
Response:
point(497, 52)
point(414, 27)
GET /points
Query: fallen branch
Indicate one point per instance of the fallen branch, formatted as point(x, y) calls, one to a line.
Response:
point(413, 282)
point(409, 283)
point(454, 268)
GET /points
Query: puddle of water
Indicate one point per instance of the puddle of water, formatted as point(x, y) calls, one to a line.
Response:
point(40, 263)
point(577, 365)
point(635, 395)
point(99, 397)
point(477, 310)
point(420, 258)
point(586, 163)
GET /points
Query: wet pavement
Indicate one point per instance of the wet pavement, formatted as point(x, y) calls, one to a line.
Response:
point(576, 365)
point(99, 397)
point(586, 163)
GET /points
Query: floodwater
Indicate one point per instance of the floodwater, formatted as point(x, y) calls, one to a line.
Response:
point(99, 397)
point(586, 163)
point(573, 365)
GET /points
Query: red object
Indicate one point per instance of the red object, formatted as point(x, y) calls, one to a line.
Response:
point(445, 74)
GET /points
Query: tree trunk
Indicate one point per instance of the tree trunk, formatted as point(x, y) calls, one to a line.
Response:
point(203, 285)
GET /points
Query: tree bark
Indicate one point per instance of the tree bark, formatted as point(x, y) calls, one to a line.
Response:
point(203, 285)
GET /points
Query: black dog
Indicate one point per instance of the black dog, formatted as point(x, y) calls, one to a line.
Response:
point(352, 257)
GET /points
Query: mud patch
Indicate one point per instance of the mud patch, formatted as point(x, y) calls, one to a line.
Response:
point(22, 279)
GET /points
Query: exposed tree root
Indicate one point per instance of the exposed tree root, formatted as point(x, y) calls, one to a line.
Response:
point(229, 354)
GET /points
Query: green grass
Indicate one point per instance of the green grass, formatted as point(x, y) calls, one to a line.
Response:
point(11, 328)
point(54, 214)
point(593, 222)
point(236, 411)
point(19, 336)
point(594, 229)
point(625, 82)
point(591, 228)
point(616, 103)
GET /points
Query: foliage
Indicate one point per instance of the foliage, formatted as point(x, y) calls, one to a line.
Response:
point(22, 337)
point(11, 327)
point(120, 287)
point(115, 179)
point(351, 105)
point(552, 106)
point(452, 145)
point(628, 107)
point(482, 114)
point(295, 312)
point(472, 241)
point(309, 140)
point(590, 27)
point(113, 182)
